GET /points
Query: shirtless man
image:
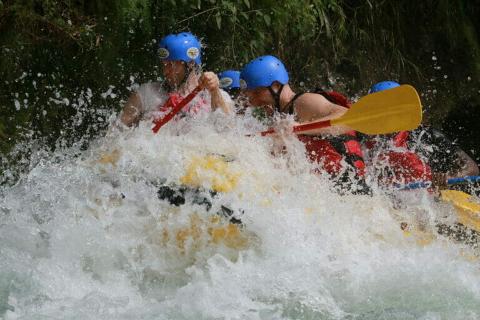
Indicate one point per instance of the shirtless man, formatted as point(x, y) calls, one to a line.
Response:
point(335, 150)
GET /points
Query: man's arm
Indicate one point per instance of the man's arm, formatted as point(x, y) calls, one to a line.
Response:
point(448, 160)
point(132, 110)
point(209, 81)
point(464, 166)
point(467, 166)
point(219, 101)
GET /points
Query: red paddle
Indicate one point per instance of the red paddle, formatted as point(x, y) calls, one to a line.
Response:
point(175, 105)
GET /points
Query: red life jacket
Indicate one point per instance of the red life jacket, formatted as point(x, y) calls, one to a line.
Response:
point(330, 152)
point(175, 98)
point(404, 165)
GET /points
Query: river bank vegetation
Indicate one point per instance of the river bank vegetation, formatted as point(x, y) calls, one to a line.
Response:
point(66, 65)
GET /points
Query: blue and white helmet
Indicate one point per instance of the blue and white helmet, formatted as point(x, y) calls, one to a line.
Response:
point(262, 72)
point(183, 46)
point(229, 79)
point(384, 85)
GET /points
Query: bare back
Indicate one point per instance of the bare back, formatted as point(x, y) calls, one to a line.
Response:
point(312, 106)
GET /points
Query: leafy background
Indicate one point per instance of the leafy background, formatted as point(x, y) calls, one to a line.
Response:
point(67, 65)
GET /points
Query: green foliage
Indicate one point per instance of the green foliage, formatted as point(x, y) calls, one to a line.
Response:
point(53, 50)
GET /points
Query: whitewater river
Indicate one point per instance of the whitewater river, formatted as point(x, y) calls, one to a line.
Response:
point(83, 235)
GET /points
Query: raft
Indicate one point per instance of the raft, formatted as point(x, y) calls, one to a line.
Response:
point(214, 170)
point(206, 176)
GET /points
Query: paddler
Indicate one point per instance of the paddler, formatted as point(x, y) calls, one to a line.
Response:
point(336, 150)
point(230, 82)
point(424, 154)
point(180, 55)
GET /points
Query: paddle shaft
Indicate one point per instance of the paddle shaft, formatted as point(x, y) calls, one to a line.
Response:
point(175, 109)
point(452, 181)
point(471, 179)
point(303, 127)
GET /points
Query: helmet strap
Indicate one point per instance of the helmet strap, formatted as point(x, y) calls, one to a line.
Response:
point(188, 71)
point(276, 97)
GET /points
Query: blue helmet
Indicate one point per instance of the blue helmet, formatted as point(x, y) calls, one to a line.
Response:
point(384, 85)
point(229, 79)
point(183, 46)
point(262, 72)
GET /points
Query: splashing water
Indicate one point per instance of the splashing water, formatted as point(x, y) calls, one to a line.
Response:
point(83, 235)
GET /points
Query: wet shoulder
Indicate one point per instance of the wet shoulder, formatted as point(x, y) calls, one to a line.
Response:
point(149, 88)
point(312, 105)
point(312, 100)
point(152, 95)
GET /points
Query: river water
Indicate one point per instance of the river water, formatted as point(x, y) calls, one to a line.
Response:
point(83, 235)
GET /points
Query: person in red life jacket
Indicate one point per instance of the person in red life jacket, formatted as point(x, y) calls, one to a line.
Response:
point(424, 154)
point(445, 157)
point(180, 55)
point(265, 82)
point(392, 161)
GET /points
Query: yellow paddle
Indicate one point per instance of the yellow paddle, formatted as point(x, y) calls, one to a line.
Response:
point(468, 210)
point(467, 206)
point(382, 112)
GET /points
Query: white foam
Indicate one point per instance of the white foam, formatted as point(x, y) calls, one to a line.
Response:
point(73, 247)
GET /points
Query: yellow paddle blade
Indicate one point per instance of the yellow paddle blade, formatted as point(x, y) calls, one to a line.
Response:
point(383, 112)
point(468, 210)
